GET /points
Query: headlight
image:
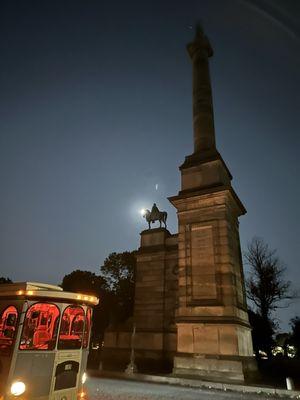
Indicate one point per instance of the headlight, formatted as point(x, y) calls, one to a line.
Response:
point(83, 378)
point(17, 388)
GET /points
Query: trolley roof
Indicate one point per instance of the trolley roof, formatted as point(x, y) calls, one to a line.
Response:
point(43, 290)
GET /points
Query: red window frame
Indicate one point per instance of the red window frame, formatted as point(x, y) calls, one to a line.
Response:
point(40, 334)
point(8, 330)
point(69, 338)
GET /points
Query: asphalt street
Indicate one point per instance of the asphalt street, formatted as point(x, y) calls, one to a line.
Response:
point(112, 389)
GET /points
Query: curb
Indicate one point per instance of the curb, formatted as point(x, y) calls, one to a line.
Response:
point(195, 383)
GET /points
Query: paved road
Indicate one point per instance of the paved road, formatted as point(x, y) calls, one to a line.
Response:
point(112, 389)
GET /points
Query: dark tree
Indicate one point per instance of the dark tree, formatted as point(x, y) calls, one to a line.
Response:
point(5, 280)
point(118, 267)
point(262, 332)
point(83, 281)
point(266, 288)
point(119, 272)
point(295, 336)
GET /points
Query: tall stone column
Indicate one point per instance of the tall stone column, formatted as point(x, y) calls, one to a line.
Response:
point(213, 332)
point(203, 116)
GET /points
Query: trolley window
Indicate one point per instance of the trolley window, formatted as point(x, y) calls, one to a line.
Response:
point(40, 327)
point(87, 328)
point(8, 327)
point(71, 328)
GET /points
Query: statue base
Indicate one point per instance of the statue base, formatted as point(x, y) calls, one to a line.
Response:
point(131, 369)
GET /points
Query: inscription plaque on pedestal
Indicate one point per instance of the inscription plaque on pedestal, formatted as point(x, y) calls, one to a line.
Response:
point(203, 263)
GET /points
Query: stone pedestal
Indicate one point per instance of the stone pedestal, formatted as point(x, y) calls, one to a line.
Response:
point(155, 294)
point(213, 332)
point(154, 307)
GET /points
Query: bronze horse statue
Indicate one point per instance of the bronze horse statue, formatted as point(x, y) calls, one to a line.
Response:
point(155, 215)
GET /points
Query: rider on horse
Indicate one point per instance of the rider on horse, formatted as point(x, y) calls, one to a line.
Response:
point(155, 215)
point(154, 212)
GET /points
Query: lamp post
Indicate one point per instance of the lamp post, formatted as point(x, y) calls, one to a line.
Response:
point(131, 367)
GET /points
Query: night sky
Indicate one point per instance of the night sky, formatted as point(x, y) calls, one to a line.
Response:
point(96, 117)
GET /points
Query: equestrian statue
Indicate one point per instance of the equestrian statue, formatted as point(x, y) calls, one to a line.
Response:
point(155, 215)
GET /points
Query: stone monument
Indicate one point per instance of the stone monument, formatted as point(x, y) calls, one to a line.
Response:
point(213, 332)
point(190, 307)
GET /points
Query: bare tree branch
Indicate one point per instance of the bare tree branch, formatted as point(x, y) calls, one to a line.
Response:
point(266, 286)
